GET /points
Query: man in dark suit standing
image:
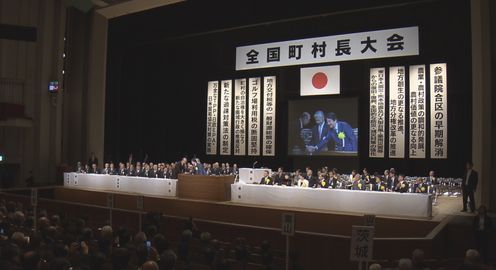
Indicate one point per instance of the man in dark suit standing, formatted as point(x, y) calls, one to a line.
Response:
point(320, 130)
point(469, 184)
point(339, 132)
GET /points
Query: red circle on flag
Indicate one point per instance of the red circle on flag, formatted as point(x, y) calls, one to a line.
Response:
point(319, 80)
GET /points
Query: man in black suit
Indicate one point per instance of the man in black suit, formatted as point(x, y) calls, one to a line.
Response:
point(266, 179)
point(302, 122)
point(469, 184)
point(312, 180)
point(320, 130)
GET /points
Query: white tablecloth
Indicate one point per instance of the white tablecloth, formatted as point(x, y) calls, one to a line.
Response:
point(117, 183)
point(363, 202)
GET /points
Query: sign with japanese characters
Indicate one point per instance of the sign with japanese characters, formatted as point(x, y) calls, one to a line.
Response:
point(362, 243)
point(254, 99)
point(417, 112)
point(288, 224)
point(225, 123)
point(212, 112)
point(377, 111)
point(269, 110)
point(439, 111)
point(364, 45)
point(240, 117)
point(397, 112)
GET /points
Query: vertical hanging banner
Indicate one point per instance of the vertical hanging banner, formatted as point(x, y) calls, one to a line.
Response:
point(377, 108)
point(225, 108)
point(240, 117)
point(397, 112)
point(212, 103)
point(439, 111)
point(269, 109)
point(254, 116)
point(417, 112)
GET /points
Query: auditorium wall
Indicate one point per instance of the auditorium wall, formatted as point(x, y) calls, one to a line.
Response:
point(29, 59)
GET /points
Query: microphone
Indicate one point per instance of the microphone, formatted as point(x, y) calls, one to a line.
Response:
point(254, 163)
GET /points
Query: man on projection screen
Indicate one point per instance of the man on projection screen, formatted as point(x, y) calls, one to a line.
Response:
point(340, 132)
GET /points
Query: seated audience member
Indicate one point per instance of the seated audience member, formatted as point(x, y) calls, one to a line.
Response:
point(312, 180)
point(302, 182)
point(353, 175)
point(392, 180)
point(122, 169)
point(279, 176)
point(402, 185)
point(235, 169)
point(418, 260)
point(472, 260)
point(161, 171)
point(106, 168)
point(334, 180)
point(287, 180)
point(405, 264)
point(266, 179)
point(223, 169)
point(94, 169)
point(138, 171)
point(228, 170)
point(379, 185)
point(155, 172)
point(358, 183)
point(131, 171)
point(385, 176)
point(87, 168)
point(80, 167)
point(420, 186)
point(375, 266)
point(113, 170)
point(146, 171)
point(366, 176)
point(216, 169)
point(323, 182)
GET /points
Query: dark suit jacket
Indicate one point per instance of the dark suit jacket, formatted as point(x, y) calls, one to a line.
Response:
point(312, 181)
point(264, 182)
point(391, 183)
point(315, 134)
point(471, 184)
point(334, 182)
point(350, 140)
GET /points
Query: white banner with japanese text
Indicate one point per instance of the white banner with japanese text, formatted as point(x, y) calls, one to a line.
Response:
point(212, 112)
point(397, 112)
point(254, 99)
point(240, 117)
point(417, 114)
point(225, 110)
point(377, 111)
point(362, 243)
point(439, 111)
point(364, 45)
point(269, 110)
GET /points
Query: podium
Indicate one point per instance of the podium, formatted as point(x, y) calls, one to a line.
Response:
point(205, 187)
point(250, 176)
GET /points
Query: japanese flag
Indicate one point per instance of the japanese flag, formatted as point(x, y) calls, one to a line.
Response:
point(319, 81)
